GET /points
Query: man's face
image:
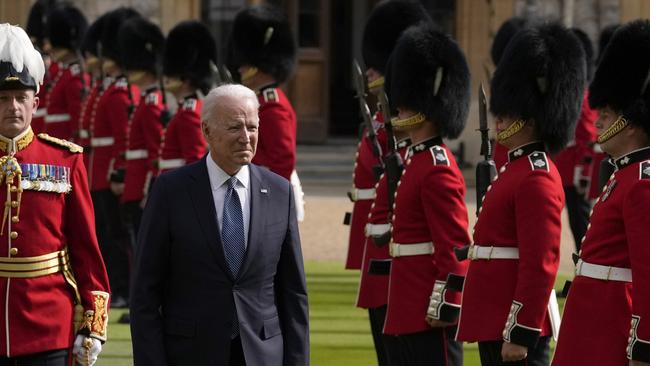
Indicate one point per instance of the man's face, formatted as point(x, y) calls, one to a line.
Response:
point(372, 76)
point(232, 133)
point(16, 109)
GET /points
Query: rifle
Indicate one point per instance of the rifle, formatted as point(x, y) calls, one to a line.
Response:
point(360, 85)
point(485, 170)
point(393, 164)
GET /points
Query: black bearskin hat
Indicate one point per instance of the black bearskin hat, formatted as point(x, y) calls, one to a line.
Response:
point(37, 20)
point(585, 42)
point(605, 35)
point(141, 43)
point(505, 33)
point(93, 35)
point(189, 51)
point(541, 77)
point(427, 73)
point(112, 23)
point(261, 37)
point(66, 27)
point(623, 75)
point(385, 24)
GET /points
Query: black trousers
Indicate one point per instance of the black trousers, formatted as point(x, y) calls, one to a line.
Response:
point(578, 208)
point(382, 341)
point(434, 347)
point(51, 358)
point(491, 354)
point(132, 215)
point(236, 353)
point(113, 241)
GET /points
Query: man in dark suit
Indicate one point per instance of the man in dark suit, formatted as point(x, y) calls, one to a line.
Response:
point(219, 278)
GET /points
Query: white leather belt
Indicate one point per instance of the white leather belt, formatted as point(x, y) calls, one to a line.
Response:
point(407, 250)
point(53, 118)
point(485, 252)
point(41, 112)
point(601, 272)
point(101, 141)
point(136, 154)
point(171, 163)
point(377, 229)
point(358, 194)
point(84, 134)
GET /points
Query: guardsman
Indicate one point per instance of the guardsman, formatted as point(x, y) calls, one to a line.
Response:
point(536, 95)
point(108, 142)
point(189, 53)
point(506, 31)
point(375, 267)
point(53, 282)
point(607, 313)
point(385, 23)
point(66, 27)
point(36, 29)
point(264, 52)
point(574, 163)
point(428, 82)
point(90, 51)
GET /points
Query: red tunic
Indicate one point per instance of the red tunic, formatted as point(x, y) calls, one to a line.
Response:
point(276, 143)
point(522, 209)
point(500, 155)
point(574, 162)
point(373, 284)
point(38, 118)
point(55, 213)
point(88, 110)
point(183, 142)
point(363, 177)
point(596, 324)
point(108, 133)
point(429, 207)
point(144, 137)
point(63, 101)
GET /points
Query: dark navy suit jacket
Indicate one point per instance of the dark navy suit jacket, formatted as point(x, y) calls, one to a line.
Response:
point(183, 295)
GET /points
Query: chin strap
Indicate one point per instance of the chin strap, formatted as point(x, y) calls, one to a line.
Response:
point(514, 128)
point(613, 130)
point(401, 124)
point(377, 83)
point(249, 73)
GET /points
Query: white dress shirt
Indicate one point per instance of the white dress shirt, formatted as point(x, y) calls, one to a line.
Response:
point(218, 183)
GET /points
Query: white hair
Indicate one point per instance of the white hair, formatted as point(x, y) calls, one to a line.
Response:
point(215, 96)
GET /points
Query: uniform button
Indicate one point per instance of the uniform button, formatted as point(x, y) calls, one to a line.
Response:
point(13, 235)
point(408, 161)
point(13, 251)
point(503, 169)
point(15, 219)
point(489, 187)
point(14, 189)
point(14, 204)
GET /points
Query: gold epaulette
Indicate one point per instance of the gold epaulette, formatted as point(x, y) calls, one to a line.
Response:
point(74, 148)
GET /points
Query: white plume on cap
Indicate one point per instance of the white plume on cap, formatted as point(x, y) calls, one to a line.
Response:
point(16, 47)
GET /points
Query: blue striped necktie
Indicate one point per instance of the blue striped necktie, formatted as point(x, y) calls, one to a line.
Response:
point(232, 237)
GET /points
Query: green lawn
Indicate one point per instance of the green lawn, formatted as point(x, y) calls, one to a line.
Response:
point(340, 333)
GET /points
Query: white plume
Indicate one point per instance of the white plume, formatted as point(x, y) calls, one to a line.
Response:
point(16, 47)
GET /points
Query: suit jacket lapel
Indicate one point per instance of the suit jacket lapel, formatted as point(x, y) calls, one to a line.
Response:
point(259, 194)
point(201, 194)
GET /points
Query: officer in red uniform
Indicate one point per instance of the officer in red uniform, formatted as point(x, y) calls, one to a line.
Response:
point(508, 303)
point(189, 53)
point(384, 25)
point(429, 84)
point(36, 29)
point(142, 44)
point(264, 54)
point(66, 27)
point(108, 142)
point(52, 278)
point(608, 307)
point(574, 163)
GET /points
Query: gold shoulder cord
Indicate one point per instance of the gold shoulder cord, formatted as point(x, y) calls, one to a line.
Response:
point(613, 130)
point(9, 171)
point(514, 127)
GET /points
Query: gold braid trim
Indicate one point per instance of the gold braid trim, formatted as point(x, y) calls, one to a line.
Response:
point(22, 143)
point(100, 316)
point(402, 124)
point(613, 130)
point(252, 71)
point(515, 127)
point(379, 82)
